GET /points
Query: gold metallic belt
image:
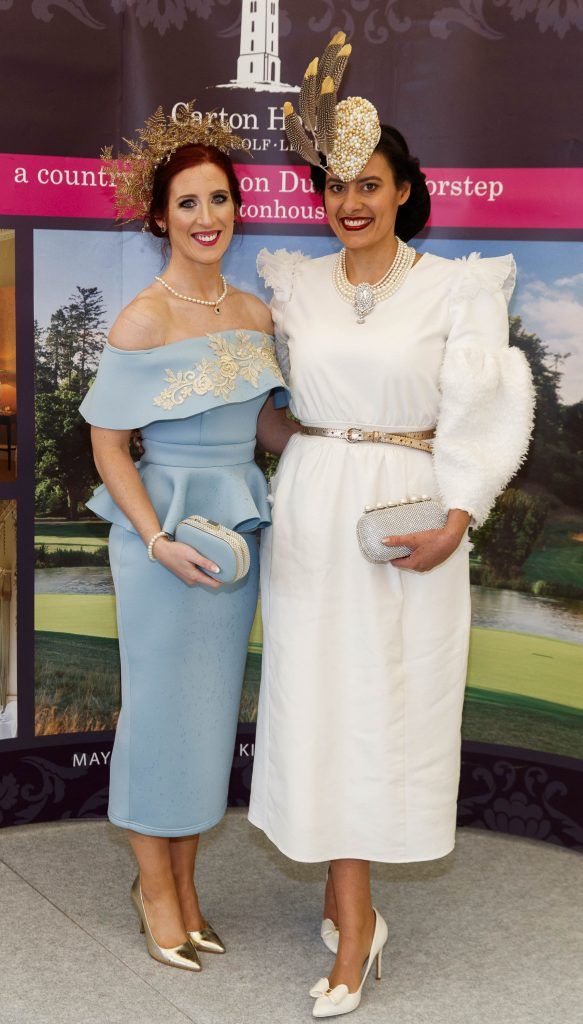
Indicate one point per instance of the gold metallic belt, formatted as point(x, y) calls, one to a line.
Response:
point(411, 439)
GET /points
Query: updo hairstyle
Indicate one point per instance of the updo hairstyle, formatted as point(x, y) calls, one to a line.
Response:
point(188, 156)
point(413, 215)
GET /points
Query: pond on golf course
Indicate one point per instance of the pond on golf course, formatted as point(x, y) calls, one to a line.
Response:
point(557, 618)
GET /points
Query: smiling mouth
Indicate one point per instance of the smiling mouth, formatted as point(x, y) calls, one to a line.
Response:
point(355, 223)
point(206, 237)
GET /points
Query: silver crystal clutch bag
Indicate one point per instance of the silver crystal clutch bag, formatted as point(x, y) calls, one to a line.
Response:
point(409, 515)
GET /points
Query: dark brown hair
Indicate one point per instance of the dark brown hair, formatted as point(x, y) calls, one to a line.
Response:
point(188, 156)
point(413, 215)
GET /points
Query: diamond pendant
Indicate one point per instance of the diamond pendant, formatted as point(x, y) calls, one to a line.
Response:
point(364, 301)
point(217, 310)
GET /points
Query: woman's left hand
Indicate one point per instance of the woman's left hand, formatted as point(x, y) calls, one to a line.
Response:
point(429, 548)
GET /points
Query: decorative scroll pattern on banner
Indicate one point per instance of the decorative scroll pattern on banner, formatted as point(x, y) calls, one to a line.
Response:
point(170, 13)
point(559, 15)
point(508, 793)
point(522, 798)
point(376, 21)
point(47, 788)
point(368, 24)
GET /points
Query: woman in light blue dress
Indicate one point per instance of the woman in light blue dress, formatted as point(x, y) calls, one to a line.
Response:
point(190, 362)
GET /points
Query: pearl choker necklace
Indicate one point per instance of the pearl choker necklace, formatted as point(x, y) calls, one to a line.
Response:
point(202, 302)
point(365, 296)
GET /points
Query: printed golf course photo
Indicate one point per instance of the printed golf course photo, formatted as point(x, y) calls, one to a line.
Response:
point(525, 687)
point(525, 678)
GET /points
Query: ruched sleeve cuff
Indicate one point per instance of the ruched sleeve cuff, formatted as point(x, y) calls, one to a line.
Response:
point(278, 270)
point(487, 395)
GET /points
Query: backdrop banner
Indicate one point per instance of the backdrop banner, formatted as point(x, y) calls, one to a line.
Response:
point(487, 93)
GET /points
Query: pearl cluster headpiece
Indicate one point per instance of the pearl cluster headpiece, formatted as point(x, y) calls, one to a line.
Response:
point(133, 172)
point(347, 133)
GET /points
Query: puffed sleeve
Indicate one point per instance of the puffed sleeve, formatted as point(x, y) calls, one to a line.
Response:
point(487, 396)
point(278, 270)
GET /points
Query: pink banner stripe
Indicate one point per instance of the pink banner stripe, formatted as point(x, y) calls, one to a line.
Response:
point(515, 197)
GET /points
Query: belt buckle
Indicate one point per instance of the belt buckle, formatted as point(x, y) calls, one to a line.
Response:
point(353, 434)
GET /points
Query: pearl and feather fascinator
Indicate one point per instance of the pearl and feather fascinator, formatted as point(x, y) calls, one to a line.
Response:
point(133, 172)
point(345, 134)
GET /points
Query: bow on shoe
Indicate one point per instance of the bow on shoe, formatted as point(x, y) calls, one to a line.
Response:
point(320, 988)
point(337, 994)
point(330, 935)
point(335, 1002)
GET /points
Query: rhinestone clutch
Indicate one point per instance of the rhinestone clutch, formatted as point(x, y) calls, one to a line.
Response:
point(410, 515)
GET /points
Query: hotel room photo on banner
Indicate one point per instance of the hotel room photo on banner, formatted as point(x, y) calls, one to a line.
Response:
point(501, 147)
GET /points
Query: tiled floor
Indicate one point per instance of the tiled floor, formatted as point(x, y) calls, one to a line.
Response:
point(490, 935)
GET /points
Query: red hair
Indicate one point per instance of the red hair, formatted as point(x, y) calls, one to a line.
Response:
point(188, 156)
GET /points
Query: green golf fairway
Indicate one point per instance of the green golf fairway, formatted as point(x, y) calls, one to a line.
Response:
point(67, 543)
point(71, 536)
point(526, 665)
point(505, 663)
point(80, 614)
point(94, 615)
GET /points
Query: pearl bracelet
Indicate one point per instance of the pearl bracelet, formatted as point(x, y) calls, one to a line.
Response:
point(152, 541)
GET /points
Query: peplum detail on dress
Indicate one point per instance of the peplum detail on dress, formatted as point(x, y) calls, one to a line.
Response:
point(197, 402)
point(278, 269)
point(235, 496)
point(487, 395)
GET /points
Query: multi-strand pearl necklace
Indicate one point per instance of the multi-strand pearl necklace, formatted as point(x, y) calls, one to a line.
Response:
point(365, 296)
point(202, 302)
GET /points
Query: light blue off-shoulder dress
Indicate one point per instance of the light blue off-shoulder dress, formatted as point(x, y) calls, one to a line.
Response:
point(182, 648)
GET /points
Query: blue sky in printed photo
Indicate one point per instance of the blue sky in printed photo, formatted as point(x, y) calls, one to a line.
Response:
point(548, 296)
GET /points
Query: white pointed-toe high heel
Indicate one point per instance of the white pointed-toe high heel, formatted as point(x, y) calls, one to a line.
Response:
point(338, 1000)
point(330, 934)
point(328, 930)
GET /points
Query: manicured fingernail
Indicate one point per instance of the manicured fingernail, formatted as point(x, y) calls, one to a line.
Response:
point(215, 568)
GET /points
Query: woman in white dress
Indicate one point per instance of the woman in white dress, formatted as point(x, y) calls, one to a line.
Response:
point(358, 738)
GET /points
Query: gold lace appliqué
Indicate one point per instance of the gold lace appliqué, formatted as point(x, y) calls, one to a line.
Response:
point(233, 359)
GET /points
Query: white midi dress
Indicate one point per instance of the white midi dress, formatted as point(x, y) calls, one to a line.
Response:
point(357, 752)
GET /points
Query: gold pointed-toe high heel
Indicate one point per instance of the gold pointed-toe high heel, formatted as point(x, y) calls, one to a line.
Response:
point(206, 940)
point(183, 956)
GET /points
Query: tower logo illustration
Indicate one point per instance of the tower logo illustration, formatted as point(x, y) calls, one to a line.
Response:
point(259, 63)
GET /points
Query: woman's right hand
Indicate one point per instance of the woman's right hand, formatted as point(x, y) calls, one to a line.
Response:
point(184, 562)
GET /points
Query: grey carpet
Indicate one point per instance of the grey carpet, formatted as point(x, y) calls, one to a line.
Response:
point(492, 934)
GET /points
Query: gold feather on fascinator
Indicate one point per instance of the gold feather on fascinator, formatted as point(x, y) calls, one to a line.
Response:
point(326, 122)
point(307, 97)
point(328, 59)
point(340, 65)
point(297, 136)
point(345, 134)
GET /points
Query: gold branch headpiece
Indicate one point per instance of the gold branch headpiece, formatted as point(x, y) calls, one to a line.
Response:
point(133, 172)
point(346, 133)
